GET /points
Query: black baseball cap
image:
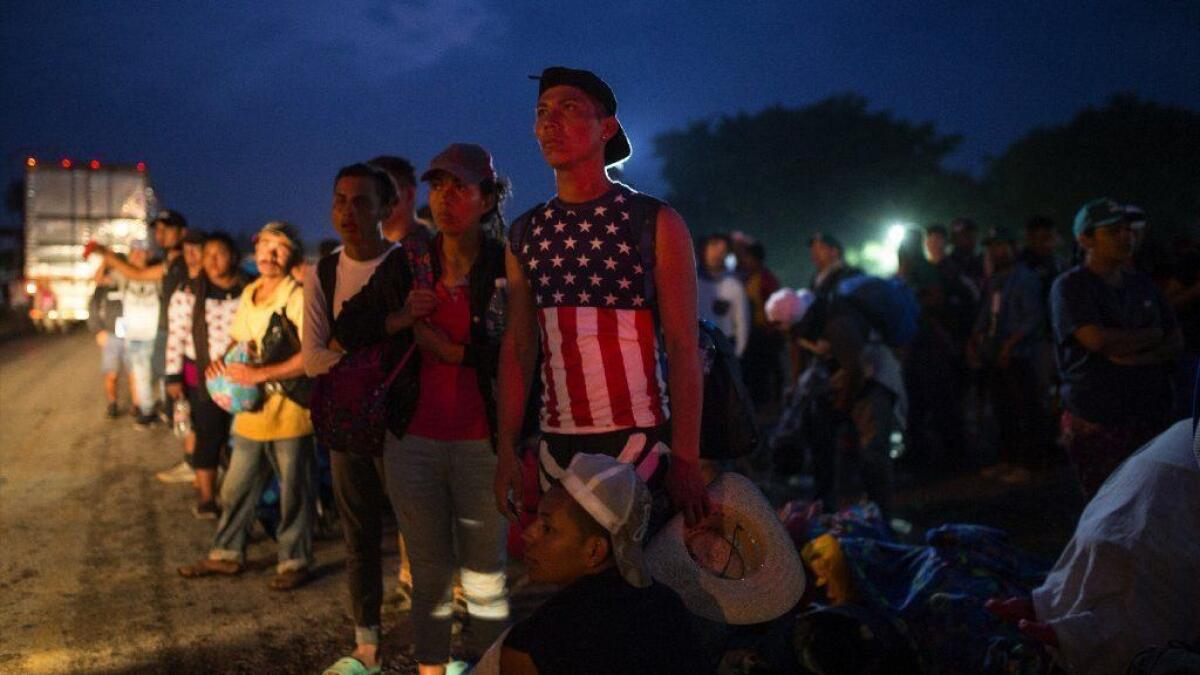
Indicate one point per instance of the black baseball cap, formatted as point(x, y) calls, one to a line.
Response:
point(194, 236)
point(618, 147)
point(170, 218)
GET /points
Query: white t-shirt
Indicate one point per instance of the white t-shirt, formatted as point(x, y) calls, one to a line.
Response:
point(724, 302)
point(352, 275)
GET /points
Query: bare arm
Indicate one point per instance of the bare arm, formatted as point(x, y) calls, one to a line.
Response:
point(518, 353)
point(1118, 342)
point(1166, 351)
point(153, 272)
point(513, 662)
point(675, 281)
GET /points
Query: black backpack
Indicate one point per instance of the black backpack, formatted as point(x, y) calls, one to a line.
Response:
point(728, 426)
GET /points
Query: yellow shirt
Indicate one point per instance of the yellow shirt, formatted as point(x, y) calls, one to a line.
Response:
point(279, 416)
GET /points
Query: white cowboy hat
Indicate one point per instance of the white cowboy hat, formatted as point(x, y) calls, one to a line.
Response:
point(751, 572)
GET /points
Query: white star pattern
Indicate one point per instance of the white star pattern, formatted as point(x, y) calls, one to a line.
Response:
point(585, 257)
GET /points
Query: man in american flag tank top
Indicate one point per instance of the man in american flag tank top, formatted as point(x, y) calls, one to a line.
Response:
point(578, 290)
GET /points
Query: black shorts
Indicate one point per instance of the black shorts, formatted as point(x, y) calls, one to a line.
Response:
point(211, 425)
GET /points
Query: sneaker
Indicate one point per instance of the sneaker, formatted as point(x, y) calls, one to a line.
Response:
point(113, 412)
point(180, 473)
point(144, 421)
point(206, 511)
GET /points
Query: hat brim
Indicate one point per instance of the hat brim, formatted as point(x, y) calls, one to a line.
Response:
point(459, 172)
point(617, 149)
point(763, 594)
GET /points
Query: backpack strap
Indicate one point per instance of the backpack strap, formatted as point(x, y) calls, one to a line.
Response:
point(643, 214)
point(327, 276)
point(519, 228)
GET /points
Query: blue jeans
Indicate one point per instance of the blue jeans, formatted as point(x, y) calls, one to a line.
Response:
point(442, 494)
point(250, 467)
point(137, 359)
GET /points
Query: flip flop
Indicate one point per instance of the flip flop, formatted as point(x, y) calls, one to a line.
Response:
point(348, 665)
point(208, 568)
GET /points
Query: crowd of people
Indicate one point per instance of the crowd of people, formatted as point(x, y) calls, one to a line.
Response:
point(519, 373)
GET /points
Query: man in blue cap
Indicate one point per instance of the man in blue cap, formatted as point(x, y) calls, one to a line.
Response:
point(1116, 340)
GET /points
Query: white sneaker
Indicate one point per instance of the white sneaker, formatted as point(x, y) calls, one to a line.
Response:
point(180, 473)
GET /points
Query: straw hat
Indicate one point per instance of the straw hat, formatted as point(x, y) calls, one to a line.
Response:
point(751, 572)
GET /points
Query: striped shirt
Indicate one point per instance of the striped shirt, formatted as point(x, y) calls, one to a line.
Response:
point(601, 354)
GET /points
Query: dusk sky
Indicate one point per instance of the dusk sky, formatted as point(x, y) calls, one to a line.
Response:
point(243, 112)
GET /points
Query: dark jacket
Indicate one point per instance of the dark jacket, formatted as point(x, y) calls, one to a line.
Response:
point(361, 324)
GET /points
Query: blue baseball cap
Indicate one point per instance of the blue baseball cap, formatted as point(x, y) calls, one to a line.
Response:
point(1099, 213)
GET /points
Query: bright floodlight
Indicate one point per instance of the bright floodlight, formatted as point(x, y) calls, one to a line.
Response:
point(895, 235)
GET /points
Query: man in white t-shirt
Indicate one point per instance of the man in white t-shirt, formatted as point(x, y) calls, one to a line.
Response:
point(362, 197)
point(720, 296)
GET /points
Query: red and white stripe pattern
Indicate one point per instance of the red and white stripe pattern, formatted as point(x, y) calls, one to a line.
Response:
point(601, 370)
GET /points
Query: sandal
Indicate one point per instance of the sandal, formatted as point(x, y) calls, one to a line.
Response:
point(286, 581)
point(208, 568)
point(348, 665)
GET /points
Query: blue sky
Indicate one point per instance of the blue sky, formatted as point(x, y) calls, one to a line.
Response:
point(245, 110)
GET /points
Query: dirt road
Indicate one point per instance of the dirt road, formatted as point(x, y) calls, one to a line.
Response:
point(89, 543)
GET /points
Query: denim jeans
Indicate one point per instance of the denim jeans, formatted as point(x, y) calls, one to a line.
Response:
point(137, 358)
point(250, 467)
point(442, 494)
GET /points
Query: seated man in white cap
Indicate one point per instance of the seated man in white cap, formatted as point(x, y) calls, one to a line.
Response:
point(610, 617)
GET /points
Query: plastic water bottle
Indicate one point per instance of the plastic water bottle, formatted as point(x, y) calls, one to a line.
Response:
point(497, 309)
point(182, 418)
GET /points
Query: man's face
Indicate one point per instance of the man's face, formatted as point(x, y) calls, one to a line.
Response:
point(217, 260)
point(1111, 243)
point(556, 552)
point(571, 127)
point(271, 254)
point(715, 251)
point(138, 257)
point(192, 256)
point(1000, 255)
point(166, 236)
point(965, 240)
point(822, 255)
point(1040, 241)
point(406, 196)
point(935, 246)
point(456, 206)
point(356, 208)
